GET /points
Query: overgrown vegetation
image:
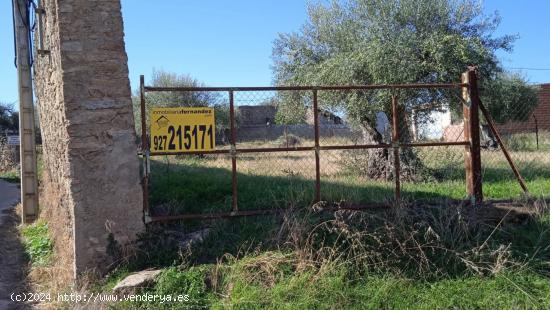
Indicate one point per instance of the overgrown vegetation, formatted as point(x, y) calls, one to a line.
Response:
point(38, 243)
point(421, 257)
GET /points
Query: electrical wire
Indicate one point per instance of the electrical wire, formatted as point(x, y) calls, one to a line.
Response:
point(14, 38)
point(29, 22)
point(534, 69)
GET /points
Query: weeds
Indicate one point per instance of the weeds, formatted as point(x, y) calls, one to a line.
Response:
point(425, 256)
point(38, 244)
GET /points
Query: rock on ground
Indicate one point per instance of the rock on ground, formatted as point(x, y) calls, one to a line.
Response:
point(136, 280)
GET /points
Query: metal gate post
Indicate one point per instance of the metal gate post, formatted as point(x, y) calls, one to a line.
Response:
point(472, 154)
point(144, 150)
point(234, 200)
point(317, 150)
point(396, 146)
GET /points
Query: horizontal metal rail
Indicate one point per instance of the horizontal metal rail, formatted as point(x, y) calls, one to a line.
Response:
point(243, 213)
point(205, 216)
point(309, 87)
point(312, 148)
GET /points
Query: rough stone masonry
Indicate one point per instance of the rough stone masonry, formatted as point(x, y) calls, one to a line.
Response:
point(91, 191)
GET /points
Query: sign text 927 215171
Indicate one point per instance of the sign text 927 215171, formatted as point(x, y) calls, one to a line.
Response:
point(188, 129)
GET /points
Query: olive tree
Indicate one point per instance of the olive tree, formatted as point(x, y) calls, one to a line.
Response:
point(389, 42)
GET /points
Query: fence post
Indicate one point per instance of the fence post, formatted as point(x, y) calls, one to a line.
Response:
point(396, 146)
point(144, 150)
point(317, 150)
point(234, 199)
point(472, 154)
point(536, 131)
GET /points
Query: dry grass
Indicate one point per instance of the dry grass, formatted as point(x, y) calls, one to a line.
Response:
point(419, 242)
point(54, 277)
point(303, 163)
point(423, 243)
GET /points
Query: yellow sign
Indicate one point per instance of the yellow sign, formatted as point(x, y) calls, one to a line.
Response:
point(176, 130)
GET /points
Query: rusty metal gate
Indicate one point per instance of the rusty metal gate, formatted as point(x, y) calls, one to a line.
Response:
point(323, 137)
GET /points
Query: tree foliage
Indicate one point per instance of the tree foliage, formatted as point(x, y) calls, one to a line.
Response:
point(394, 41)
point(162, 78)
point(508, 98)
point(9, 118)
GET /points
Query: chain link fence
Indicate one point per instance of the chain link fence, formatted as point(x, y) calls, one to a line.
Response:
point(526, 136)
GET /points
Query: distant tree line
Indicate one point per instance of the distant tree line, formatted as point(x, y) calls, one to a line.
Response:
point(171, 99)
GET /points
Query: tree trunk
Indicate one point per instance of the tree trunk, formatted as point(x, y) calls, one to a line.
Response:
point(377, 160)
point(380, 162)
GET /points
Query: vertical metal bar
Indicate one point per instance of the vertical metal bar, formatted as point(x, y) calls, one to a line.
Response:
point(503, 147)
point(143, 116)
point(466, 131)
point(144, 148)
point(317, 150)
point(396, 146)
point(471, 134)
point(234, 201)
point(536, 131)
point(475, 137)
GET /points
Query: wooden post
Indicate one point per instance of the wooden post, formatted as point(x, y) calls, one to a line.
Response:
point(29, 182)
point(472, 154)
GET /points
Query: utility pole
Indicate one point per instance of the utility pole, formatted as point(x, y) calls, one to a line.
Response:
point(29, 185)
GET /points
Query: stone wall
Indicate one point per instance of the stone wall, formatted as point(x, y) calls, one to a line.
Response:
point(249, 115)
point(90, 191)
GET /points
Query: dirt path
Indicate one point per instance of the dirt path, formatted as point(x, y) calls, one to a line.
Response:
point(12, 262)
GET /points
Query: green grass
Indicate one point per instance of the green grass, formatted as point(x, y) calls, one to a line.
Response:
point(11, 176)
point(194, 185)
point(38, 243)
point(243, 265)
point(337, 290)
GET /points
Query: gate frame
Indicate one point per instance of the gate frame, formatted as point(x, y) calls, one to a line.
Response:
point(471, 142)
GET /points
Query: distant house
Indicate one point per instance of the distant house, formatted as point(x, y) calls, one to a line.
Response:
point(431, 126)
point(256, 123)
point(539, 119)
point(261, 115)
point(325, 117)
point(256, 115)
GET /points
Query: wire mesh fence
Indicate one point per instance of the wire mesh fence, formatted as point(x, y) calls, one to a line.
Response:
point(282, 147)
point(525, 134)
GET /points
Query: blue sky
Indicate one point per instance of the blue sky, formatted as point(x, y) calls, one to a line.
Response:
point(228, 43)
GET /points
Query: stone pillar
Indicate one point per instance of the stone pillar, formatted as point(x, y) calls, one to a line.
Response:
point(91, 190)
